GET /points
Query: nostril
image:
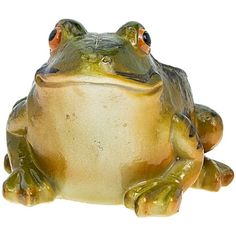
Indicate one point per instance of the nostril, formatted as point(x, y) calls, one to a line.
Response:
point(106, 60)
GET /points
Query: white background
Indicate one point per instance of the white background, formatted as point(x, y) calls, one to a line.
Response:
point(197, 36)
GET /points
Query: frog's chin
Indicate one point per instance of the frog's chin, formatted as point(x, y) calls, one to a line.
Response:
point(57, 81)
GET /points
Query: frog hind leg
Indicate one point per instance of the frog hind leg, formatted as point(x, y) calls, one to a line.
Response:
point(26, 184)
point(209, 126)
point(162, 195)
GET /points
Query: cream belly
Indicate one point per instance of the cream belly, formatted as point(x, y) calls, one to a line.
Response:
point(95, 140)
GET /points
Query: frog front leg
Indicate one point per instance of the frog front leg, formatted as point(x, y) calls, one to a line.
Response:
point(26, 184)
point(162, 195)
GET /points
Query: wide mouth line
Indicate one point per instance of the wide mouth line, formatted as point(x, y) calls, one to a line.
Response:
point(49, 81)
point(143, 78)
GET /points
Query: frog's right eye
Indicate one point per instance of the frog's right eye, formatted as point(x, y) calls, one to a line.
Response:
point(55, 38)
point(144, 40)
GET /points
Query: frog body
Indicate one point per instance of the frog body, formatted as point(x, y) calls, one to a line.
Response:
point(105, 122)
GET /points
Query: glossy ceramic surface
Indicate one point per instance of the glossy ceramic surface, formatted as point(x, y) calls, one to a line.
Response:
point(105, 122)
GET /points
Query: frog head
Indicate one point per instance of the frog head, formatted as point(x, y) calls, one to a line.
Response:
point(77, 56)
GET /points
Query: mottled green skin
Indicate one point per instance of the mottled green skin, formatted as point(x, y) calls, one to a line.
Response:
point(84, 52)
point(193, 129)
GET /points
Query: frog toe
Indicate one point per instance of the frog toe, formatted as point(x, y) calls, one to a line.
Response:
point(133, 193)
point(214, 175)
point(28, 187)
point(227, 174)
point(163, 200)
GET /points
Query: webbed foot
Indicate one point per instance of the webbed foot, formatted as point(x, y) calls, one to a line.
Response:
point(154, 197)
point(28, 185)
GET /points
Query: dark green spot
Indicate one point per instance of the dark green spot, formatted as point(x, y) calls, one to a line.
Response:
point(44, 69)
point(213, 114)
point(199, 145)
point(192, 131)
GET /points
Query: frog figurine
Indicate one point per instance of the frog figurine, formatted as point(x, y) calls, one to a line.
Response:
point(105, 122)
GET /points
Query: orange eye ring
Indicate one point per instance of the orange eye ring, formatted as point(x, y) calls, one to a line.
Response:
point(144, 41)
point(55, 38)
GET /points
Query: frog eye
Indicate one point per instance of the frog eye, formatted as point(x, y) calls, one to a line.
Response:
point(144, 40)
point(55, 38)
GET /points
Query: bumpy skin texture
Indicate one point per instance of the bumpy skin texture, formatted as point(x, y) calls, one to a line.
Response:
point(105, 122)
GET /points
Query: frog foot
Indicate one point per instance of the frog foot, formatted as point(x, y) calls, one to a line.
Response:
point(28, 186)
point(214, 175)
point(152, 198)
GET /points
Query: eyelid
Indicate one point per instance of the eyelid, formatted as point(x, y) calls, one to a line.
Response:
point(141, 44)
point(55, 41)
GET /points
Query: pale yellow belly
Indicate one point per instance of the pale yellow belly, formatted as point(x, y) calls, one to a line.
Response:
point(96, 141)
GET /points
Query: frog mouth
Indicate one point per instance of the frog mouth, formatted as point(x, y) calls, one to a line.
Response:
point(121, 79)
point(143, 78)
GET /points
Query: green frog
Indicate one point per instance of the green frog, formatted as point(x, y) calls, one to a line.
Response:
point(105, 122)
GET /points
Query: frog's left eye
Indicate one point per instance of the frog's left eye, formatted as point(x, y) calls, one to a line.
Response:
point(55, 38)
point(144, 40)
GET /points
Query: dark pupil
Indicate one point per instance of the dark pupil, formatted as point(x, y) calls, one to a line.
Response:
point(146, 38)
point(52, 35)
